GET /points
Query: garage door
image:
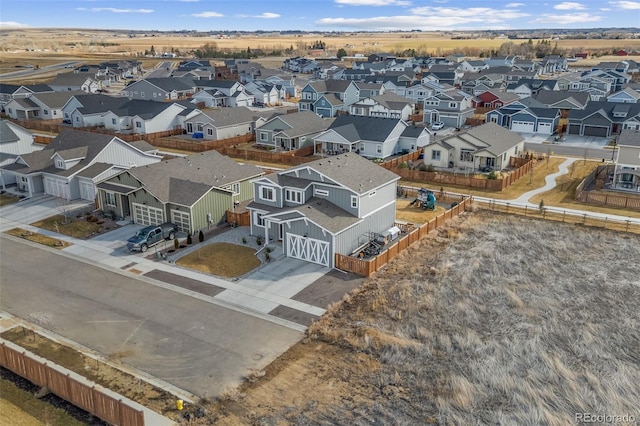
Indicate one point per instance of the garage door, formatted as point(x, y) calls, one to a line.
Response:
point(87, 191)
point(522, 126)
point(55, 187)
point(145, 215)
point(596, 131)
point(308, 249)
point(182, 220)
point(545, 128)
point(574, 129)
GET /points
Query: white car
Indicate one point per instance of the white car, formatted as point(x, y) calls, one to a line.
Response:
point(437, 125)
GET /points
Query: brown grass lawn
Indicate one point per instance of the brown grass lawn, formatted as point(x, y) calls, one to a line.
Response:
point(223, 259)
point(413, 214)
point(540, 171)
point(6, 199)
point(38, 238)
point(563, 195)
point(77, 228)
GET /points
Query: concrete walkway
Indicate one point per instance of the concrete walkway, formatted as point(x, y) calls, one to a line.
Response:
point(550, 183)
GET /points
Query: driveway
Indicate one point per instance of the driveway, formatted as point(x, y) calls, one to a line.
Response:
point(37, 208)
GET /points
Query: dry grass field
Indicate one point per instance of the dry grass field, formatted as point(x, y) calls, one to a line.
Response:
point(506, 321)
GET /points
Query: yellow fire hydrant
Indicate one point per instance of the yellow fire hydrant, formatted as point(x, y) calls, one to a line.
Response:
point(179, 404)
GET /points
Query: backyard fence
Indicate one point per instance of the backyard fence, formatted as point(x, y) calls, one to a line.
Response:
point(200, 145)
point(561, 215)
point(604, 198)
point(239, 218)
point(410, 235)
point(89, 398)
point(522, 167)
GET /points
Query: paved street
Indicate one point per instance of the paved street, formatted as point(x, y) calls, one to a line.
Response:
point(193, 343)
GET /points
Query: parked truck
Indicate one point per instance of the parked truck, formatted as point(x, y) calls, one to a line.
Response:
point(150, 236)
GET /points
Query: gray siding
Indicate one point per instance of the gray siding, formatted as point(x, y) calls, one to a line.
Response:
point(277, 191)
point(299, 227)
point(351, 238)
point(382, 196)
point(142, 196)
point(339, 196)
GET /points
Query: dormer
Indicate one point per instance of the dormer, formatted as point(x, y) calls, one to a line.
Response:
point(68, 158)
point(621, 110)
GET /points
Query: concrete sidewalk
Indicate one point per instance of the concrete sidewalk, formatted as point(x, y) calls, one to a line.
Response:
point(550, 182)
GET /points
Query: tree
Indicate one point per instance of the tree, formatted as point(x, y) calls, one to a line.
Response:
point(189, 239)
point(341, 53)
point(201, 236)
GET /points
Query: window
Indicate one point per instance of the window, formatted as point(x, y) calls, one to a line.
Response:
point(155, 94)
point(77, 119)
point(321, 192)
point(35, 113)
point(46, 112)
point(466, 155)
point(452, 104)
point(372, 193)
point(379, 149)
point(293, 196)
point(210, 132)
point(354, 201)
point(60, 163)
point(259, 221)
point(110, 198)
point(138, 124)
point(199, 127)
point(263, 136)
point(266, 193)
point(142, 94)
point(362, 147)
point(435, 155)
point(10, 111)
point(113, 121)
point(55, 112)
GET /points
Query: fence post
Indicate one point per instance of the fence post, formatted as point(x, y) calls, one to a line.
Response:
point(605, 222)
point(507, 207)
point(525, 211)
point(627, 227)
point(564, 213)
point(584, 219)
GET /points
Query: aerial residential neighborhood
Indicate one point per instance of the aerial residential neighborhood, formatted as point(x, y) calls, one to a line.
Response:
point(392, 216)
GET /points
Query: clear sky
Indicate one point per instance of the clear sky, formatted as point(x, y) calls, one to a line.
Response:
point(314, 15)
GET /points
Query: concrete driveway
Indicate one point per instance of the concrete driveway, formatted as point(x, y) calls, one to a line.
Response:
point(37, 208)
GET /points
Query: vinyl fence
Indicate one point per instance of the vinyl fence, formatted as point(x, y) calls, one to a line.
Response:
point(367, 267)
point(89, 398)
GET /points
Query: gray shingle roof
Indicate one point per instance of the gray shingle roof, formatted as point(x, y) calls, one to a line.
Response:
point(173, 83)
point(350, 170)
point(6, 134)
point(185, 180)
point(550, 97)
point(231, 116)
point(303, 123)
point(97, 103)
point(95, 170)
point(356, 128)
point(497, 138)
point(629, 137)
point(56, 99)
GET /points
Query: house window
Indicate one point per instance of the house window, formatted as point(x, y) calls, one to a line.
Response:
point(466, 155)
point(155, 94)
point(138, 124)
point(266, 193)
point(199, 127)
point(210, 132)
point(354, 201)
point(46, 112)
point(60, 163)
point(435, 155)
point(35, 113)
point(77, 119)
point(110, 199)
point(293, 196)
point(10, 111)
point(142, 94)
point(452, 104)
point(372, 193)
point(321, 192)
point(263, 136)
point(362, 147)
point(379, 149)
point(259, 221)
point(113, 121)
point(55, 112)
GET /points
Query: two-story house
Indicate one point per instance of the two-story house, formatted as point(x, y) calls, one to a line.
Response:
point(627, 172)
point(328, 206)
point(388, 105)
point(451, 107)
point(291, 131)
point(326, 98)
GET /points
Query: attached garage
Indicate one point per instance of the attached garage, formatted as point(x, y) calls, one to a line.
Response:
point(87, 191)
point(146, 215)
point(182, 220)
point(308, 249)
point(545, 128)
point(573, 129)
point(522, 126)
point(596, 131)
point(56, 187)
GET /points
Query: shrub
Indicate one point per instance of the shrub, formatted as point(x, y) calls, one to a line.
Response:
point(403, 165)
point(259, 241)
point(426, 167)
point(189, 239)
point(201, 236)
point(492, 175)
point(268, 250)
point(244, 240)
point(176, 244)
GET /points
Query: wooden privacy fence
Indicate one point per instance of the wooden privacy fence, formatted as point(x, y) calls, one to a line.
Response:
point(239, 218)
point(367, 267)
point(90, 399)
point(603, 198)
point(200, 145)
point(295, 157)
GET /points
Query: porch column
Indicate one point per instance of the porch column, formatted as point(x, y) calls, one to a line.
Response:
point(29, 186)
point(266, 232)
point(2, 179)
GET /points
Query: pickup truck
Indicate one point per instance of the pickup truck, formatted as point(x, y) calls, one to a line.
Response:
point(150, 236)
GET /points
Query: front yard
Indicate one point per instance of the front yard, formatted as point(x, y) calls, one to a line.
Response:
point(81, 227)
point(222, 259)
point(38, 238)
point(6, 199)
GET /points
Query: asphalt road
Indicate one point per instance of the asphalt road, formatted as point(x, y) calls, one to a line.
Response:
point(572, 151)
point(32, 72)
point(193, 344)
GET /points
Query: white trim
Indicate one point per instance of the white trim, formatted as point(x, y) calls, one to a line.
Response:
point(273, 193)
point(321, 192)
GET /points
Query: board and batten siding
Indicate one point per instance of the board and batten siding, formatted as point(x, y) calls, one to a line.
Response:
point(125, 179)
point(277, 202)
point(351, 238)
point(142, 196)
point(341, 197)
point(122, 154)
point(214, 202)
point(299, 227)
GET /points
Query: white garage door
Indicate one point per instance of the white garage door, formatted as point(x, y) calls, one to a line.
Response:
point(182, 220)
point(55, 187)
point(308, 249)
point(87, 191)
point(545, 128)
point(145, 215)
point(522, 126)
